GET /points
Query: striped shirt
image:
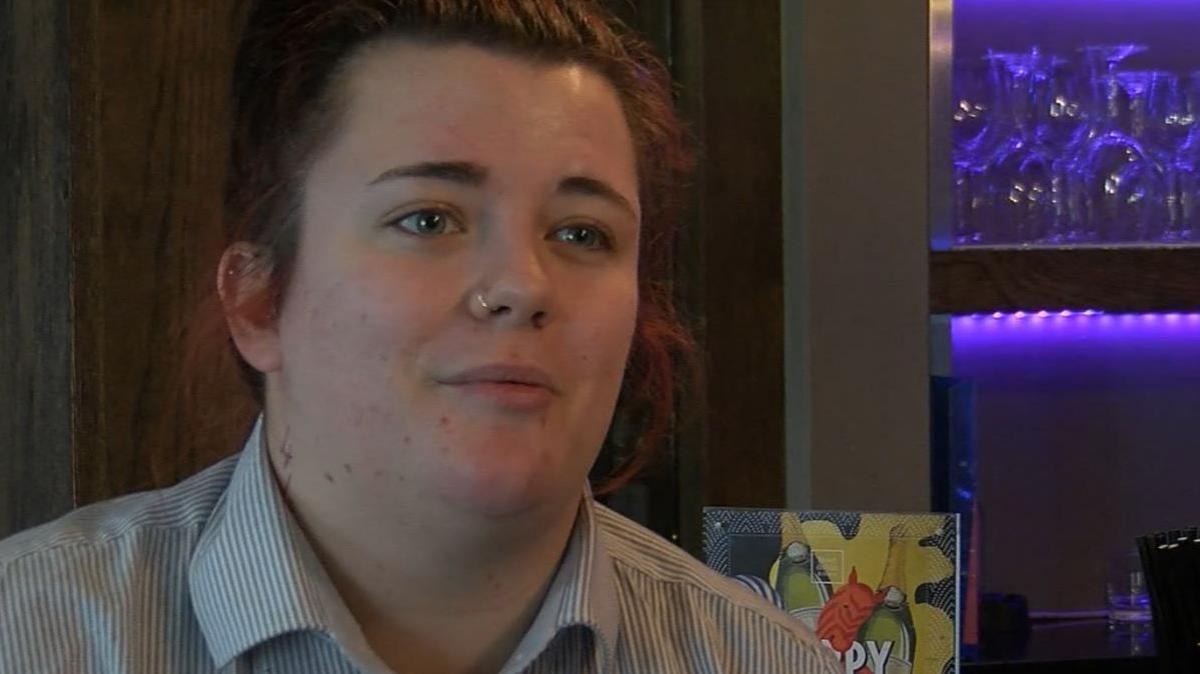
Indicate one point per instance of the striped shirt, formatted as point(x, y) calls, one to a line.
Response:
point(214, 575)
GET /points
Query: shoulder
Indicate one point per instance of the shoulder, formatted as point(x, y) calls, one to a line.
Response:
point(109, 540)
point(709, 614)
point(183, 506)
point(88, 582)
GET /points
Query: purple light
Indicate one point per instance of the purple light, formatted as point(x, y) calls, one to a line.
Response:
point(1080, 345)
point(1093, 316)
point(1070, 5)
point(1061, 26)
point(1066, 313)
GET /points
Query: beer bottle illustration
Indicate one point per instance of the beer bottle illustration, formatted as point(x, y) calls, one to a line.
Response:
point(891, 621)
point(798, 577)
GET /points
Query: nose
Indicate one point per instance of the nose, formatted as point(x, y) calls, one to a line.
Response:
point(513, 290)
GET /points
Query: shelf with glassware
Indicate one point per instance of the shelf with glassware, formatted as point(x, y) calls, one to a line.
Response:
point(1076, 186)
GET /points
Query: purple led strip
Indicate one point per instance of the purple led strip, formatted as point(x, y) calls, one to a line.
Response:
point(1043, 329)
point(1170, 317)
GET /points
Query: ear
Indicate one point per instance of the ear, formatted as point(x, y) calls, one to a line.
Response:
point(243, 284)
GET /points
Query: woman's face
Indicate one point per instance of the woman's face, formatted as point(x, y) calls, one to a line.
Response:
point(457, 174)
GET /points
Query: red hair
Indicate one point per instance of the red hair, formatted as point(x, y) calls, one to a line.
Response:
point(286, 102)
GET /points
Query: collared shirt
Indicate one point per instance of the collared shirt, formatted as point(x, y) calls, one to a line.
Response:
point(215, 575)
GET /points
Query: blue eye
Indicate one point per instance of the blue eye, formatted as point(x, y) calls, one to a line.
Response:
point(425, 222)
point(584, 237)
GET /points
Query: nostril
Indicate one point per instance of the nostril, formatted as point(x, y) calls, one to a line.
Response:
point(538, 319)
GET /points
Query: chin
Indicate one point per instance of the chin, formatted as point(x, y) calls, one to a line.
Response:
point(506, 481)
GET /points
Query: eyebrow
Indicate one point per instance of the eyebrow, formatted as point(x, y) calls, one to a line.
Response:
point(591, 187)
point(462, 172)
point(471, 174)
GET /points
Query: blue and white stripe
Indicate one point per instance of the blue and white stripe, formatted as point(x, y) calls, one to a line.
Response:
point(214, 575)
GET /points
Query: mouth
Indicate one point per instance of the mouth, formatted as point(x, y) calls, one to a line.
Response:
point(509, 387)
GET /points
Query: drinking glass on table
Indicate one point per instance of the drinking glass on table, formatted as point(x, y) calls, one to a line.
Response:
point(1127, 592)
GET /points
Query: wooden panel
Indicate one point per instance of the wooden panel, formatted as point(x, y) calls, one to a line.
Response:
point(650, 18)
point(654, 497)
point(151, 123)
point(1113, 279)
point(726, 57)
point(35, 266)
point(743, 278)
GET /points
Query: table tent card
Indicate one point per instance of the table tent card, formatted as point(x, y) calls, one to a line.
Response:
point(880, 589)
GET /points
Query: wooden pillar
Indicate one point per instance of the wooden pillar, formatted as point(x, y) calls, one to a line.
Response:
point(115, 126)
point(35, 264)
point(731, 450)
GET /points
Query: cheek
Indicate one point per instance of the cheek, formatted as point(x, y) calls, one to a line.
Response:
point(360, 324)
point(604, 355)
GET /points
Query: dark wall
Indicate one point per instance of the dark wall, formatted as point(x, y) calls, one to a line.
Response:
point(1086, 439)
point(114, 128)
point(35, 265)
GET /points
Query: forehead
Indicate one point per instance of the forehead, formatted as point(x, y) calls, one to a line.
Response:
point(406, 101)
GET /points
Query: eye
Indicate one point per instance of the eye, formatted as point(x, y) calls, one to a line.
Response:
point(583, 236)
point(425, 222)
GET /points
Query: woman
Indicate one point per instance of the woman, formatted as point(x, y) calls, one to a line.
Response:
point(448, 218)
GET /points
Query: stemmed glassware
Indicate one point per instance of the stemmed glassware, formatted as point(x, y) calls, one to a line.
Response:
point(1185, 166)
point(1098, 148)
point(1075, 151)
point(1063, 124)
point(1124, 185)
point(981, 125)
point(1020, 174)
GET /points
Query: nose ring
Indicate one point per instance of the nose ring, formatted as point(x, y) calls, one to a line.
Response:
point(483, 304)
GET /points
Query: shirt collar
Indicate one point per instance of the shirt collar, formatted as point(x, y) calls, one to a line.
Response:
point(254, 577)
point(250, 577)
point(582, 593)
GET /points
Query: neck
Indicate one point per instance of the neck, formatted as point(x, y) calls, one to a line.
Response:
point(433, 590)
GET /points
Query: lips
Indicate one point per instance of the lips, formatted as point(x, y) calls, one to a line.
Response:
point(504, 386)
point(502, 374)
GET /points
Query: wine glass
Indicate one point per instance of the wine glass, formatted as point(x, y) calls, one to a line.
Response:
point(1020, 175)
point(982, 125)
point(1065, 104)
point(1125, 183)
point(972, 115)
point(1163, 127)
point(1062, 99)
point(973, 105)
point(1095, 157)
point(1187, 166)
